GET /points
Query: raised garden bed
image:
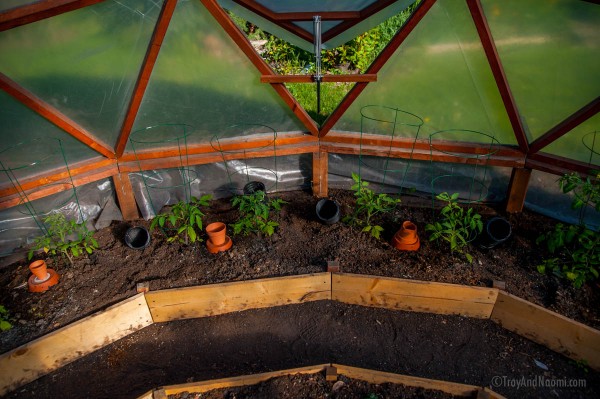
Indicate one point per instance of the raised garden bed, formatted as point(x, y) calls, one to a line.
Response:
point(303, 245)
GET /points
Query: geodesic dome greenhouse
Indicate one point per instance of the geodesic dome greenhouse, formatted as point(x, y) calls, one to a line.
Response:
point(93, 76)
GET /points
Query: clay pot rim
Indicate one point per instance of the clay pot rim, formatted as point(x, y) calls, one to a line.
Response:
point(36, 264)
point(215, 227)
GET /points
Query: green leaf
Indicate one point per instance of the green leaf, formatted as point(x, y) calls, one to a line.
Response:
point(5, 325)
point(192, 233)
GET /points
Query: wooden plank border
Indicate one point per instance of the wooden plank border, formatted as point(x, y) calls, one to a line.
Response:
point(556, 332)
point(411, 295)
point(238, 381)
point(216, 299)
point(371, 376)
point(50, 352)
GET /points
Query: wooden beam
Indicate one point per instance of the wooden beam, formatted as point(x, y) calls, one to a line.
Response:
point(214, 157)
point(376, 66)
point(558, 165)
point(39, 10)
point(229, 145)
point(517, 189)
point(381, 377)
point(53, 115)
point(216, 299)
point(320, 170)
point(491, 53)
point(566, 125)
point(50, 352)
point(43, 190)
point(411, 295)
point(160, 30)
point(311, 78)
point(205, 386)
point(240, 39)
point(125, 196)
point(308, 15)
point(270, 16)
point(365, 13)
point(563, 335)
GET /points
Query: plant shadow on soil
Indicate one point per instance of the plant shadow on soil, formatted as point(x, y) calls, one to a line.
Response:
point(300, 245)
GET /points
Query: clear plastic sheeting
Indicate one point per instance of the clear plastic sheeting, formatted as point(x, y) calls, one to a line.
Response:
point(19, 124)
point(418, 178)
point(579, 143)
point(292, 173)
point(544, 196)
point(549, 51)
point(85, 63)
point(18, 229)
point(440, 73)
point(202, 78)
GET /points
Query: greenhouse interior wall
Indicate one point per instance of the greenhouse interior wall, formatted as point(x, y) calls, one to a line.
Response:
point(83, 87)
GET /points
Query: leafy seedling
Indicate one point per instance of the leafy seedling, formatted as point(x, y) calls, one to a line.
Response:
point(183, 222)
point(255, 210)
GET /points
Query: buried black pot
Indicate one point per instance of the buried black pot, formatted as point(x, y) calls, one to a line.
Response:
point(137, 237)
point(253, 186)
point(495, 232)
point(328, 211)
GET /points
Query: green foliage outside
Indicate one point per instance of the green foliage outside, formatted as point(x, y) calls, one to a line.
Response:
point(354, 56)
point(4, 319)
point(456, 226)
point(255, 210)
point(369, 204)
point(183, 222)
point(58, 239)
point(576, 248)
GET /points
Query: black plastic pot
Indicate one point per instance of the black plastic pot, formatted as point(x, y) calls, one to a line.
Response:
point(495, 232)
point(253, 186)
point(137, 237)
point(328, 211)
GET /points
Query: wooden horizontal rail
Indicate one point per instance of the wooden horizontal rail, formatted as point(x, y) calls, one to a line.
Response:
point(411, 295)
point(50, 184)
point(214, 157)
point(211, 300)
point(554, 331)
point(308, 16)
point(50, 352)
point(371, 77)
point(230, 145)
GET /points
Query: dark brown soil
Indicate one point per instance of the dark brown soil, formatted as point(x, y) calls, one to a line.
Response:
point(301, 386)
point(472, 351)
point(301, 245)
point(441, 347)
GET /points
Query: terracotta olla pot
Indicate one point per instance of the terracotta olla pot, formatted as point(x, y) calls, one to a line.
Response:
point(39, 269)
point(216, 233)
point(42, 278)
point(406, 239)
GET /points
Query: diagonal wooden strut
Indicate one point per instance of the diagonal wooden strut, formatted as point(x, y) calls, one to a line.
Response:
point(160, 30)
point(567, 125)
point(40, 10)
point(238, 37)
point(491, 53)
point(54, 115)
point(376, 66)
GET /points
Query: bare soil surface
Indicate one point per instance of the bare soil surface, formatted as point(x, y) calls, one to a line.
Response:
point(300, 245)
point(452, 348)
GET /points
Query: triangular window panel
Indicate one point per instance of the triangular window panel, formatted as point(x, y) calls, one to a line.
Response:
point(352, 57)
point(202, 78)
point(549, 51)
point(84, 63)
point(441, 74)
point(581, 144)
